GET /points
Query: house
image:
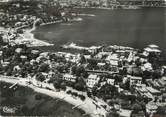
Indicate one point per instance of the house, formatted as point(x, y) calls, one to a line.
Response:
point(92, 80)
point(153, 91)
point(18, 50)
point(101, 64)
point(111, 81)
point(135, 80)
point(164, 67)
point(113, 59)
point(147, 66)
point(151, 107)
point(1, 57)
point(101, 54)
point(87, 57)
point(35, 52)
point(1, 52)
point(69, 77)
point(93, 49)
point(23, 58)
point(152, 50)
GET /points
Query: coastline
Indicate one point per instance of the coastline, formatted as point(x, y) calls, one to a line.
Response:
point(44, 105)
point(88, 106)
point(28, 36)
point(108, 8)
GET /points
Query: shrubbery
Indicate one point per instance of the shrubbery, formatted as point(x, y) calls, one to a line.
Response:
point(75, 94)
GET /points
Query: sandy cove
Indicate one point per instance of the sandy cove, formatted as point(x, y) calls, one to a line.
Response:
point(88, 106)
point(28, 37)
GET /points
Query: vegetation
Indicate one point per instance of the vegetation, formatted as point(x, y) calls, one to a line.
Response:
point(75, 94)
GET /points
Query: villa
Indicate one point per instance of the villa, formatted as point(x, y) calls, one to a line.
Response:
point(153, 91)
point(69, 77)
point(135, 80)
point(113, 59)
point(92, 80)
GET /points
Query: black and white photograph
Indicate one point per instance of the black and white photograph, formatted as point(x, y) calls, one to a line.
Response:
point(83, 58)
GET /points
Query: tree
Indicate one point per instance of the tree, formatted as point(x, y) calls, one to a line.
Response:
point(57, 83)
point(68, 92)
point(82, 60)
point(136, 108)
point(89, 94)
point(80, 84)
point(127, 85)
point(40, 77)
point(118, 79)
point(1, 41)
point(147, 74)
point(55, 77)
point(156, 74)
point(80, 70)
point(92, 63)
point(73, 69)
point(82, 97)
point(74, 94)
point(138, 62)
point(123, 71)
point(43, 67)
point(63, 86)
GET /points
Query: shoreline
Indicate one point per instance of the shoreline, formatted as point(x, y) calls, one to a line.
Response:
point(31, 102)
point(86, 105)
point(108, 8)
point(28, 36)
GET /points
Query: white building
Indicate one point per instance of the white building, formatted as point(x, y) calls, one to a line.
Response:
point(147, 66)
point(92, 80)
point(113, 59)
point(135, 80)
point(111, 81)
point(5, 0)
point(69, 77)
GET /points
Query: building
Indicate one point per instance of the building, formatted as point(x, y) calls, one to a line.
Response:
point(135, 80)
point(147, 66)
point(153, 91)
point(113, 59)
point(92, 80)
point(5, 0)
point(111, 81)
point(69, 77)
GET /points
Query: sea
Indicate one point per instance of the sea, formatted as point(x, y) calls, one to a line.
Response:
point(126, 27)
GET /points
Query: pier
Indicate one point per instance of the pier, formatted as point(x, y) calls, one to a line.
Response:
point(78, 105)
point(13, 85)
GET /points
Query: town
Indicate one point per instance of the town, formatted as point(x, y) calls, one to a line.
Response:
point(125, 78)
point(122, 81)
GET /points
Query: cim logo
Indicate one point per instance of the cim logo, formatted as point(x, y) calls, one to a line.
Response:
point(9, 110)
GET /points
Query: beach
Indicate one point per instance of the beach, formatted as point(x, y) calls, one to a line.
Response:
point(28, 37)
point(88, 106)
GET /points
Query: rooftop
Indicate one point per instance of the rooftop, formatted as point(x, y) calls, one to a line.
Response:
point(92, 76)
point(152, 90)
